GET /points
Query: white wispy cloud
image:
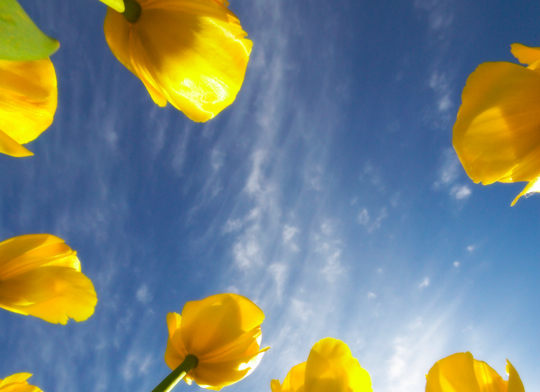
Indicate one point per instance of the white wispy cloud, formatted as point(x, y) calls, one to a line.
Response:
point(460, 192)
point(136, 365)
point(424, 284)
point(289, 233)
point(448, 169)
point(441, 87)
point(372, 224)
point(449, 174)
point(143, 295)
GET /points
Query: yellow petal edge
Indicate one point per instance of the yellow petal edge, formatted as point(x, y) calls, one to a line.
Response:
point(41, 276)
point(330, 367)
point(117, 5)
point(28, 100)
point(496, 131)
point(460, 372)
point(17, 383)
point(223, 331)
point(191, 53)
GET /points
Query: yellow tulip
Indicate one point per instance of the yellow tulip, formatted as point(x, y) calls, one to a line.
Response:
point(223, 332)
point(28, 98)
point(496, 133)
point(17, 383)
point(330, 367)
point(462, 373)
point(191, 53)
point(41, 276)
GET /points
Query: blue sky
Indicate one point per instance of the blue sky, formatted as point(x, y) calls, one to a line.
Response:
point(328, 193)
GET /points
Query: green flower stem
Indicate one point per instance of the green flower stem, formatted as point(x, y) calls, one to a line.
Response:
point(190, 362)
point(132, 11)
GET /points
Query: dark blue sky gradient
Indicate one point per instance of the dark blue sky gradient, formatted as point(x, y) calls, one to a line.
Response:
point(328, 193)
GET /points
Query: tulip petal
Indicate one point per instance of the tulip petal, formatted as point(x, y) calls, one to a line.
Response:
point(462, 373)
point(191, 53)
point(275, 386)
point(174, 321)
point(10, 147)
point(18, 377)
point(245, 344)
point(40, 276)
point(514, 381)
point(17, 383)
point(294, 382)
point(20, 388)
point(28, 99)
point(223, 332)
point(215, 376)
point(331, 367)
point(53, 294)
point(173, 358)
point(217, 320)
point(117, 5)
point(525, 54)
point(496, 132)
point(453, 374)
point(488, 379)
point(533, 186)
point(27, 252)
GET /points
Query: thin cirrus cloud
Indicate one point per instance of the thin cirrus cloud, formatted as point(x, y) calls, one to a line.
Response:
point(266, 200)
point(449, 175)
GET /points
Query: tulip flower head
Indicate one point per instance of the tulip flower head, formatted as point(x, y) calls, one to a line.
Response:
point(191, 53)
point(223, 332)
point(330, 367)
point(496, 131)
point(28, 98)
point(462, 373)
point(17, 383)
point(41, 276)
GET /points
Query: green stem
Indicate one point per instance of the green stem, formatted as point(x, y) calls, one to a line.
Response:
point(132, 12)
point(190, 362)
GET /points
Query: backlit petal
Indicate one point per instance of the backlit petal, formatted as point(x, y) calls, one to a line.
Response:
point(488, 379)
point(223, 331)
point(28, 99)
point(10, 146)
point(40, 276)
point(215, 321)
point(27, 252)
point(174, 322)
point(53, 294)
point(294, 382)
point(462, 373)
point(496, 132)
point(118, 5)
point(533, 186)
point(453, 374)
point(18, 377)
point(173, 358)
point(525, 54)
point(221, 374)
point(275, 386)
point(514, 381)
point(331, 367)
point(191, 53)
point(17, 383)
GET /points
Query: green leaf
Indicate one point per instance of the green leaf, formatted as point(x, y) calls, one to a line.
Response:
point(20, 38)
point(117, 5)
